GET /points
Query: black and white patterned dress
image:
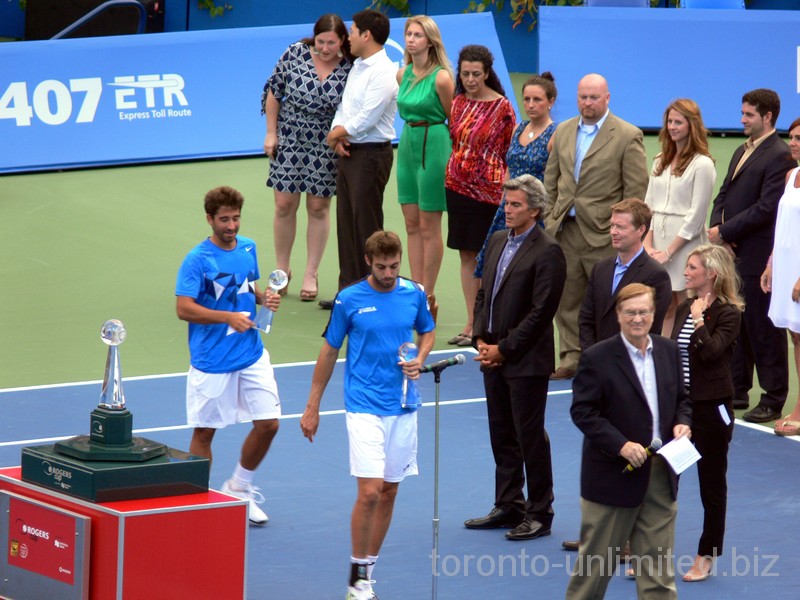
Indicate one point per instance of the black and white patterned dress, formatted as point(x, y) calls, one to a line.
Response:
point(303, 161)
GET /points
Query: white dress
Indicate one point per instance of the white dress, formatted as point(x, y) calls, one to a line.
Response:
point(680, 208)
point(786, 259)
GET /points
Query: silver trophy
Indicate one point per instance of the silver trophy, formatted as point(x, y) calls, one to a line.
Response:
point(113, 333)
point(276, 281)
point(410, 394)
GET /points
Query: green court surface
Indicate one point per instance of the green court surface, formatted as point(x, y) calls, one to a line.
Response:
point(80, 247)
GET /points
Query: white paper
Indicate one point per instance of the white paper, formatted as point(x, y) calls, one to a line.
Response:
point(680, 454)
point(723, 412)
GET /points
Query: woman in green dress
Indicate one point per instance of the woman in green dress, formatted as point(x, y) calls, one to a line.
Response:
point(426, 92)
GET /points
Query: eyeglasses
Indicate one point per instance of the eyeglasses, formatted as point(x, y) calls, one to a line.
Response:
point(632, 314)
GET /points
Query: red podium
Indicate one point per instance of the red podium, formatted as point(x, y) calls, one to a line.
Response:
point(171, 548)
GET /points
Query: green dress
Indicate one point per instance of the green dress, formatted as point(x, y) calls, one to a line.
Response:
point(424, 147)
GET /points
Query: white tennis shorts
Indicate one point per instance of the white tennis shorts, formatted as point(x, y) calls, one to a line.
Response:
point(218, 399)
point(383, 447)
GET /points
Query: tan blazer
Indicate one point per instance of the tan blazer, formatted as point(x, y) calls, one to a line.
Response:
point(614, 168)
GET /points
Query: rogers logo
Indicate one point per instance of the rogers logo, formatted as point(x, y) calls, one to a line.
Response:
point(55, 472)
point(32, 532)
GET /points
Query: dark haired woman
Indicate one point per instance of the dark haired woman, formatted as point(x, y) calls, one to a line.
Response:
point(782, 275)
point(299, 100)
point(530, 144)
point(481, 126)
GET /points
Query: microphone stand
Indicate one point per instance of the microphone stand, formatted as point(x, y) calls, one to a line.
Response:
point(437, 377)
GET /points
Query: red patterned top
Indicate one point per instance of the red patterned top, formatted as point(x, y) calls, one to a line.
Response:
point(481, 132)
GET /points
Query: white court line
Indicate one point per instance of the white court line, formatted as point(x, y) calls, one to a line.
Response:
point(739, 422)
point(282, 417)
point(305, 363)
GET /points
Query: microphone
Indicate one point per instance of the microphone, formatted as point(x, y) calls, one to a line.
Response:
point(654, 447)
point(441, 365)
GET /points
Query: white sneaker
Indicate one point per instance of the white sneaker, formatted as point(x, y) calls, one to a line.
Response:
point(251, 493)
point(362, 590)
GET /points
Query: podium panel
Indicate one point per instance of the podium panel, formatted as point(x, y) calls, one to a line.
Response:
point(187, 547)
point(46, 550)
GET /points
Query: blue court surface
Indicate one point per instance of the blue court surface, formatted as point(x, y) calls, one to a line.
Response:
point(303, 552)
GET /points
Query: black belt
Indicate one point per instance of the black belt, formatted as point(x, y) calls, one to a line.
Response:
point(426, 125)
point(370, 145)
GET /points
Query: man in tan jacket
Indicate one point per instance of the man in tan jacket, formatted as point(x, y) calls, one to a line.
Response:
point(597, 160)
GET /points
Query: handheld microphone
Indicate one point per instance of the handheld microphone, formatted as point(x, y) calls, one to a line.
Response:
point(654, 447)
point(441, 365)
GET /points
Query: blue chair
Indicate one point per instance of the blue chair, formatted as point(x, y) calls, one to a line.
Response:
point(712, 4)
point(618, 3)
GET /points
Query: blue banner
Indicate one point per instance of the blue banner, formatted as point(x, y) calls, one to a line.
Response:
point(653, 56)
point(159, 97)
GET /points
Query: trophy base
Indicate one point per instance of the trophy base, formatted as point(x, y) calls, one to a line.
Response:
point(84, 448)
point(174, 473)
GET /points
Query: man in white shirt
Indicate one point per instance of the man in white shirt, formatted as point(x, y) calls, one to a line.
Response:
point(362, 133)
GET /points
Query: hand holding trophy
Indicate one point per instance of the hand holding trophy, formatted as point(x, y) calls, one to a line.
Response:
point(277, 281)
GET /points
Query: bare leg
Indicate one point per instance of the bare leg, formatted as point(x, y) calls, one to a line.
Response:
point(795, 414)
point(383, 517)
point(669, 318)
point(284, 227)
point(469, 285)
point(372, 515)
point(257, 442)
point(319, 226)
point(363, 520)
point(414, 246)
point(432, 246)
point(201, 442)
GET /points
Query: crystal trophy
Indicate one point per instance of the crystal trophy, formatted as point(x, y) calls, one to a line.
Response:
point(112, 333)
point(410, 394)
point(111, 423)
point(276, 282)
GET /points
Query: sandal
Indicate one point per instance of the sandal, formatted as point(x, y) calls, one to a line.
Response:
point(455, 341)
point(310, 295)
point(785, 427)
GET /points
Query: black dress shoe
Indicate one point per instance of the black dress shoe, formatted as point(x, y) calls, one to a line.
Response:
point(740, 403)
point(529, 529)
point(761, 414)
point(572, 545)
point(326, 304)
point(496, 519)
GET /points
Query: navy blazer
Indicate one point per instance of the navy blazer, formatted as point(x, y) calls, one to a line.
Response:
point(610, 408)
point(746, 206)
point(525, 304)
point(710, 350)
point(597, 319)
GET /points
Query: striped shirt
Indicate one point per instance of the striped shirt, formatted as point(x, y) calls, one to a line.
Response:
point(684, 336)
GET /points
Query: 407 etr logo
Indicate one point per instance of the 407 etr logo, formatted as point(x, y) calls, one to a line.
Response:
point(55, 102)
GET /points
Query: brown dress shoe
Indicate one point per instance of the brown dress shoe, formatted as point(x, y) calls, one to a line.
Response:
point(562, 373)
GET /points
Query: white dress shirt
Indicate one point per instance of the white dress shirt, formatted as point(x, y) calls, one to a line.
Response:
point(369, 101)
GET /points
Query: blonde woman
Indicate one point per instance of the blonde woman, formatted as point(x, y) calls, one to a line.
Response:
point(423, 101)
point(706, 328)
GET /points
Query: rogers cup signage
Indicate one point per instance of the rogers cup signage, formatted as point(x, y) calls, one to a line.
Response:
point(41, 540)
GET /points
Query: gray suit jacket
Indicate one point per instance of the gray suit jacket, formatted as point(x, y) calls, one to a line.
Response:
point(614, 168)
